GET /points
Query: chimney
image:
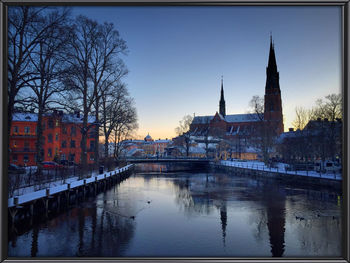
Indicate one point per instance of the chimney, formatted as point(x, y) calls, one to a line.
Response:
point(325, 119)
point(77, 113)
point(291, 129)
point(318, 119)
point(338, 119)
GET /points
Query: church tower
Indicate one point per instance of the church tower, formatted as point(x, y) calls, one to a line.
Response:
point(222, 107)
point(273, 101)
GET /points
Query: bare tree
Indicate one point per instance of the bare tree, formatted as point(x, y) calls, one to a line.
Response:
point(27, 28)
point(330, 108)
point(106, 68)
point(125, 125)
point(183, 131)
point(263, 135)
point(78, 79)
point(47, 66)
point(303, 116)
point(116, 109)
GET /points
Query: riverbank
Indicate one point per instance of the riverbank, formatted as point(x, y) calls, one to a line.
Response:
point(295, 177)
point(54, 197)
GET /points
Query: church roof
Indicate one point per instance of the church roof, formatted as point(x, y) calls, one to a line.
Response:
point(202, 119)
point(250, 117)
point(232, 118)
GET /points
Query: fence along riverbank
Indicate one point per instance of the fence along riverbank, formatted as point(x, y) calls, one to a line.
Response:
point(47, 199)
point(280, 174)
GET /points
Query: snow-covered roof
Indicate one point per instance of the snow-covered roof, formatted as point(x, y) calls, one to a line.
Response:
point(73, 118)
point(33, 117)
point(162, 141)
point(202, 119)
point(242, 117)
point(133, 151)
point(221, 117)
point(196, 150)
point(25, 117)
point(250, 117)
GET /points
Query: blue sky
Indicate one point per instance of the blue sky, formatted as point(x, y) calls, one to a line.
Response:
point(178, 54)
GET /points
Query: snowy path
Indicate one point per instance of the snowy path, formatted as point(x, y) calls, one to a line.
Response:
point(56, 188)
point(255, 165)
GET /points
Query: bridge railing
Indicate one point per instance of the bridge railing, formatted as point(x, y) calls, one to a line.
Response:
point(168, 158)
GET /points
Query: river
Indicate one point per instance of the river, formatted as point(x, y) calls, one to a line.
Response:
point(162, 213)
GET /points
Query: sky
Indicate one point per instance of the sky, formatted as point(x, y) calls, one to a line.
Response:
point(177, 55)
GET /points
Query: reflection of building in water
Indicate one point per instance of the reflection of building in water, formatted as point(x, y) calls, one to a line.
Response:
point(276, 217)
point(223, 218)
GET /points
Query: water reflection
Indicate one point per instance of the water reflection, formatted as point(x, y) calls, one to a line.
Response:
point(190, 214)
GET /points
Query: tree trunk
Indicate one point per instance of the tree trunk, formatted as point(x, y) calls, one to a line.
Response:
point(39, 142)
point(96, 134)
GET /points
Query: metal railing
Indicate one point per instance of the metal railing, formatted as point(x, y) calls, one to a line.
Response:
point(260, 167)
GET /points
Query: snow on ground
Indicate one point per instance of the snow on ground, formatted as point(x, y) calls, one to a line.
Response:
point(256, 165)
point(31, 193)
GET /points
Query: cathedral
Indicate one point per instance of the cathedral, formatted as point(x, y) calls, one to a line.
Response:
point(235, 126)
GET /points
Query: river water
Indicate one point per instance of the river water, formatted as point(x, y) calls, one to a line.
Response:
point(155, 213)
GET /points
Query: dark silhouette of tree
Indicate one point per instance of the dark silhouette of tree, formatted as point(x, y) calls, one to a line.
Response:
point(81, 93)
point(47, 64)
point(28, 28)
point(263, 134)
point(183, 132)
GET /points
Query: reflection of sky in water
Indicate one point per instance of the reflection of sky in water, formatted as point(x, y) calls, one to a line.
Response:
point(191, 215)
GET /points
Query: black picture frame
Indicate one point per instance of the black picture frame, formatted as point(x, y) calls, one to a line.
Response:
point(344, 4)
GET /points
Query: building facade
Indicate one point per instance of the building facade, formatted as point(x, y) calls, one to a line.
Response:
point(240, 129)
point(61, 138)
point(145, 147)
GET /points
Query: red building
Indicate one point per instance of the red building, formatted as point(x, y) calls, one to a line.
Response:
point(61, 138)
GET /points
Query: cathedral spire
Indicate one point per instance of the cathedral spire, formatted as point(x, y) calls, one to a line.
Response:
point(272, 65)
point(272, 98)
point(222, 107)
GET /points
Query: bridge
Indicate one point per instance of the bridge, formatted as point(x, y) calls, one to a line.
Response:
point(169, 160)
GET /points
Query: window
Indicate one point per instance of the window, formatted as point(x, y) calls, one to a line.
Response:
point(64, 130)
point(63, 156)
point(25, 158)
point(14, 158)
point(26, 129)
point(14, 144)
point(72, 144)
point(92, 134)
point(49, 152)
point(92, 145)
point(26, 146)
point(57, 123)
point(49, 137)
point(92, 157)
point(15, 129)
point(73, 131)
point(64, 144)
point(56, 136)
point(71, 157)
point(50, 124)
